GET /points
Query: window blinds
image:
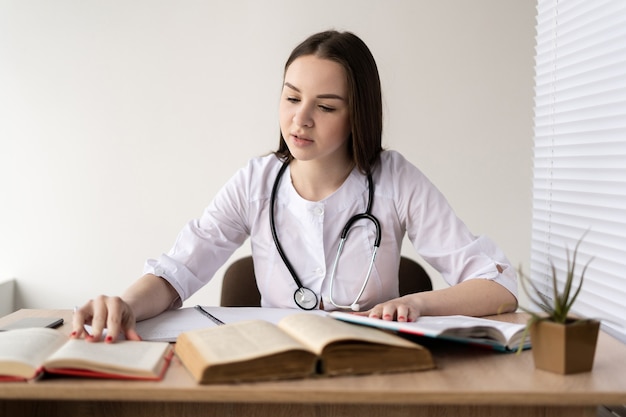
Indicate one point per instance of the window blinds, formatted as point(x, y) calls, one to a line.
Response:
point(579, 183)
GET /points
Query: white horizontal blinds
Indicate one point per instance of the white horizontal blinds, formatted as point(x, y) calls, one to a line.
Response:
point(580, 151)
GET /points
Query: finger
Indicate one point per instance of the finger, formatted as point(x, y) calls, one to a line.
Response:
point(116, 309)
point(389, 312)
point(80, 317)
point(376, 312)
point(402, 314)
point(131, 334)
point(413, 315)
point(99, 318)
point(415, 305)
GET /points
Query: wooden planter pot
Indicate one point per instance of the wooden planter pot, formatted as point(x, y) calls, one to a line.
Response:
point(564, 348)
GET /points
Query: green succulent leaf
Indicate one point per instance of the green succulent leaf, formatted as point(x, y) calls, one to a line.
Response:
point(558, 307)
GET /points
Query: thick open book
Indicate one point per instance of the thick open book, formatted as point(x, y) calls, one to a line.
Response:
point(29, 353)
point(498, 335)
point(300, 345)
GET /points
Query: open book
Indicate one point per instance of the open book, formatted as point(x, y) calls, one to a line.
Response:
point(498, 335)
point(300, 345)
point(29, 353)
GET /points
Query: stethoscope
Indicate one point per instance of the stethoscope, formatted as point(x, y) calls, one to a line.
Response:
point(304, 297)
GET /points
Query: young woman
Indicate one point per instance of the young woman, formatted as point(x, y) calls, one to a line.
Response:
point(329, 176)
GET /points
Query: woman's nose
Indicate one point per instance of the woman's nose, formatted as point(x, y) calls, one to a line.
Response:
point(302, 117)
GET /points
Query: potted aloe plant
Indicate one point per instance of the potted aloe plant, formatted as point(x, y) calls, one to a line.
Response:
point(561, 342)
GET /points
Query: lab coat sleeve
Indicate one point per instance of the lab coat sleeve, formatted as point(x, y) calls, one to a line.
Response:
point(205, 244)
point(440, 237)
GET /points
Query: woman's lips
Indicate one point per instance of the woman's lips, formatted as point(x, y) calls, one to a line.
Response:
point(300, 140)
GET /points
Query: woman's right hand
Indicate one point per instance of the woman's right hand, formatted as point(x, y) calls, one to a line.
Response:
point(148, 296)
point(104, 312)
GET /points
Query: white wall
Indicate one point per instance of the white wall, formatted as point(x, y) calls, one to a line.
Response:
point(6, 296)
point(119, 120)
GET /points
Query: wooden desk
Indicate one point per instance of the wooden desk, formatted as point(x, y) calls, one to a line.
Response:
point(468, 382)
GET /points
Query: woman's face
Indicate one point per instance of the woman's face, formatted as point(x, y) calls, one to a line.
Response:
point(314, 114)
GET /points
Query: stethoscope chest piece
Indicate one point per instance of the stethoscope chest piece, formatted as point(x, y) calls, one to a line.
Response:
point(305, 298)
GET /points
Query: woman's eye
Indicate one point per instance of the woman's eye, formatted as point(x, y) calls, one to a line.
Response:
point(326, 109)
point(293, 99)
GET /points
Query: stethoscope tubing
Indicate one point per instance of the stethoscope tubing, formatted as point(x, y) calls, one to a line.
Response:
point(279, 247)
point(300, 295)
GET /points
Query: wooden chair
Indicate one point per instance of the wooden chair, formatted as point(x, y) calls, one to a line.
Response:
point(239, 287)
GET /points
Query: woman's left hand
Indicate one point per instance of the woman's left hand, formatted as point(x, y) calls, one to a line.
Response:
point(401, 309)
point(473, 297)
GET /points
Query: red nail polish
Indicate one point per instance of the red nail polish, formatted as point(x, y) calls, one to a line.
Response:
point(74, 333)
point(108, 339)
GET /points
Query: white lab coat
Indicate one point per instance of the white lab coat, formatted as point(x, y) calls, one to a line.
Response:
point(405, 202)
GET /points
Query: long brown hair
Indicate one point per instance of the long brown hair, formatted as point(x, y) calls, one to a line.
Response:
point(364, 93)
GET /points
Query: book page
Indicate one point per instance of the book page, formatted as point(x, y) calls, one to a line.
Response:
point(272, 315)
point(29, 347)
point(240, 341)
point(168, 325)
point(458, 327)
point(317, 332)
point(123, 357)
point(464, 326)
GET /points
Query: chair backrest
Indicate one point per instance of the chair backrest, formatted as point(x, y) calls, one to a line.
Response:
point(412, 277)
point(239, 287)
